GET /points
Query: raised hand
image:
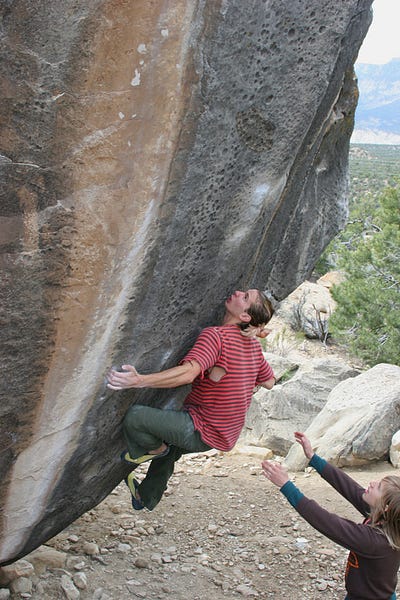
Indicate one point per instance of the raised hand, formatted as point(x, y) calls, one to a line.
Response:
point(127, 378)
point(275, 472)
point(305, 443)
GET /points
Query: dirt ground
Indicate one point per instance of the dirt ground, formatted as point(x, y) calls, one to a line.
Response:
point(221, 531)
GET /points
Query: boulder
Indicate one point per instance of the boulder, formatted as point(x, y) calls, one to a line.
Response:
point(394, 451)
point(308, 309)
point(357, 423)
point(293, 404)
point(46, 557)
point(154, 157)
point(283, 366)
point(331, 278)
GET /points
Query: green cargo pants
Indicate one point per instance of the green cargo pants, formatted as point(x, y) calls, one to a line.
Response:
point(146, 428)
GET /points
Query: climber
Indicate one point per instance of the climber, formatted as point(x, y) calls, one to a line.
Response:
point(224, 366)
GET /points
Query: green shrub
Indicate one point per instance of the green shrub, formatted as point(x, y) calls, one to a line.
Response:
point(367, 317)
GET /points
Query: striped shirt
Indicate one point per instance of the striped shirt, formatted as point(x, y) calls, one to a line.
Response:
point(218, 408)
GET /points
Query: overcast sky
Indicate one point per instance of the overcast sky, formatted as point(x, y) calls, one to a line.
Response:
point(382, 42)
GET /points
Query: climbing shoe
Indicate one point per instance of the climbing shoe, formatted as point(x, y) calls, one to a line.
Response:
point(133, 484)
point(125, 456)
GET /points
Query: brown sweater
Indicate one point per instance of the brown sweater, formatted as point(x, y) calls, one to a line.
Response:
point(372, 565)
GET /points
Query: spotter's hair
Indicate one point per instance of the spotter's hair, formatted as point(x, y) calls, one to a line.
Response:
point(386, 514)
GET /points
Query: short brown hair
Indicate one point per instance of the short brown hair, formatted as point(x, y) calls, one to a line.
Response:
point(260, 312)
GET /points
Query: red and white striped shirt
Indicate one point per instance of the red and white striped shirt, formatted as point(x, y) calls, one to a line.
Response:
point(218, 408)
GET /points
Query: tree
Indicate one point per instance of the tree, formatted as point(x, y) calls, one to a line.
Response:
point(367, 316)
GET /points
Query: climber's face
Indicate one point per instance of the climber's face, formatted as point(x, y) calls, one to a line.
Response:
point(238, 303)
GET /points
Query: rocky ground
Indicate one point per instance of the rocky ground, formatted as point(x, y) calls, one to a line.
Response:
point(221, 531)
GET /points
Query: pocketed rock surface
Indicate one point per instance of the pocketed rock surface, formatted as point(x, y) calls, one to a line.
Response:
point(221, 531)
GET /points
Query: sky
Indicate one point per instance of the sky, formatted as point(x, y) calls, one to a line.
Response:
point(382, 42)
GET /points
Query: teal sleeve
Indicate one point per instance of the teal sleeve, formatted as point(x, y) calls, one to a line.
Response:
point(292, 493)
point(317, 463)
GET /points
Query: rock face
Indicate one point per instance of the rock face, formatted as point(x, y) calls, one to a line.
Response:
point(358, 420)
point(154, 156)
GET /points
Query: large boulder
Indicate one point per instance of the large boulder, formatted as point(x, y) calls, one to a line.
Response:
point(308, 309)
point(358, 421)
point(394, 450)
point(154, 156)
point(292, 405)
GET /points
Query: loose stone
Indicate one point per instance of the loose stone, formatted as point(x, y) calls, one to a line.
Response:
point(80, 580)
point(90, 548)
point(69, 589)
point(141, 563)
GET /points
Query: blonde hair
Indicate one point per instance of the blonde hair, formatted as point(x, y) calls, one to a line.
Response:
point(386, 514)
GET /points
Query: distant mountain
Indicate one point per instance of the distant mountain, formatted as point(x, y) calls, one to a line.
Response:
point(378, 111)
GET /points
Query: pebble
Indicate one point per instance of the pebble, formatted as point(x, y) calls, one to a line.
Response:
point(90, 548)
point(187, 568)
point(99, 559)
point(100, 594)
point(322, 586)
point(21, 585)
point(73, 538)
point(141, 563)
point(301, 543)
point(156, 557)
point(69, 589)
point(80, 580)
point(327, 552)
point(133, 586)
point(125, 548)
point(78, 566)
point(246, 591)
point(140, 593)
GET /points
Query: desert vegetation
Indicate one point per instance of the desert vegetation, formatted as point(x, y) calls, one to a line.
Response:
point(367, 251)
